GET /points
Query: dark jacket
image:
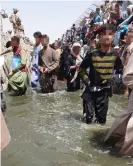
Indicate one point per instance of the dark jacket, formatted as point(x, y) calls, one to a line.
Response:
point(66, 61)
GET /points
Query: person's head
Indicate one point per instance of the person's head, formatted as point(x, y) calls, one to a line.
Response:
point(45, 40)
point(102, 8)
point(91, 15)
point(119, 3)
point(56, 45)
point(130, 10)
point(113, 18)
point(106, 2)
point(15, 11)
point(129, 37)
point(106, 34)
point(15, 41)
point(66, 49)
point(37, 37)
point(116, 7)
point(85, 42)
point(98, 9)
point(73, 25)
point(76, 49)
point(52, 45)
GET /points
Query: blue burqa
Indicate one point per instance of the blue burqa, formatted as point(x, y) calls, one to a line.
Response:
point(35, 72)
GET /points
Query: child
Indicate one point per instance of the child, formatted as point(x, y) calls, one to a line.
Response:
point(98, 84)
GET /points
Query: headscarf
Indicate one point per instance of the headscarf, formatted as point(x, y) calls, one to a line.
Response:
point(75, 45)
point(130, 7)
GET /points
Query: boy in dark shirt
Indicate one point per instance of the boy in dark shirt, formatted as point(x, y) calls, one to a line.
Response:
point(98, 82)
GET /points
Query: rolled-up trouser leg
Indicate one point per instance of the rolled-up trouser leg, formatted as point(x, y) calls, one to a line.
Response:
point(101, 106)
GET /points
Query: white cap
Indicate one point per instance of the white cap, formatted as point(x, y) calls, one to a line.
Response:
point(130, 7)
point(76, 45)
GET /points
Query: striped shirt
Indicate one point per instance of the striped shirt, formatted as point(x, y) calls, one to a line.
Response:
point(101, 67)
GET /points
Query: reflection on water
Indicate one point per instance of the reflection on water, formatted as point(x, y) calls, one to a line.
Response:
point(47, 130)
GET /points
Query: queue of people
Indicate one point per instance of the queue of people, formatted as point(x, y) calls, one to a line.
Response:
point(92, 54)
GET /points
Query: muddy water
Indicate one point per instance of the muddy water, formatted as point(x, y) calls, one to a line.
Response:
point(47, 130)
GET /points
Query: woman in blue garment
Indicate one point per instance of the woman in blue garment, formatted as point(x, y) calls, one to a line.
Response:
point(34, 65)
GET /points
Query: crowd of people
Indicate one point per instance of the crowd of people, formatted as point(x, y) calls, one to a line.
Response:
point(92, 56)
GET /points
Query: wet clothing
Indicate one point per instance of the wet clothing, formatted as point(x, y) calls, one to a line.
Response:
point(98, 82)
point(48, 59)
point(64, 67)
point(95, 103)
point(101, 67)
point(19, 80)
point(48, 82)
point(75, 85)
point(35, 72)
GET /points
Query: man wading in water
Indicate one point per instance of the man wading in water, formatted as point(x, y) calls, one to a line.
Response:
point(34, 62)
point(98, 84)
point(48, 62)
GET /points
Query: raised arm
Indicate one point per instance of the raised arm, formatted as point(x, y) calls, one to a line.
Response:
point(7, 51)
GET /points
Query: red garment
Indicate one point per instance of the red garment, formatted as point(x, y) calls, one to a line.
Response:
point(17, 50)
point(25, 69)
